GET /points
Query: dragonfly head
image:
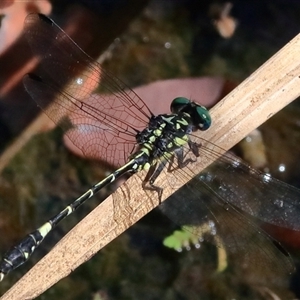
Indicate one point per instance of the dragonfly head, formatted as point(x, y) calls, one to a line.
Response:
point(199, 114)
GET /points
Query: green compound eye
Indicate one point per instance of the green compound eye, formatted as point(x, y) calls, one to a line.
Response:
point(199, 114)
point(204, 118)
point(178, 104)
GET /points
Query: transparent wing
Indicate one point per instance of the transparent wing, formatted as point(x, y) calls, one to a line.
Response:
point(233, 197)
point(233, 180)
point(250, 246)
point(67, 79)
point(250, 190)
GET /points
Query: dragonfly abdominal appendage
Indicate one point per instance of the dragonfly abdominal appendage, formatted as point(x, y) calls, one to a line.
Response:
point(20, 253)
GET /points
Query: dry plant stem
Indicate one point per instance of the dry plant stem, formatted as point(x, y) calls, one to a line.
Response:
point(260, 96)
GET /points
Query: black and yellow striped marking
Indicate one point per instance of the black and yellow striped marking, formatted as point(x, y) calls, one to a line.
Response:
point(158, 142)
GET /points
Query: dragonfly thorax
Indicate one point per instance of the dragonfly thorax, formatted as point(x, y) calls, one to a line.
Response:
point(165, 134)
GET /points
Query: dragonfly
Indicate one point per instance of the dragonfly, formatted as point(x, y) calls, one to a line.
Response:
point(121, 128)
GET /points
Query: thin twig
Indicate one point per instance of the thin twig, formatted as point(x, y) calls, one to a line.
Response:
point(259, 97)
